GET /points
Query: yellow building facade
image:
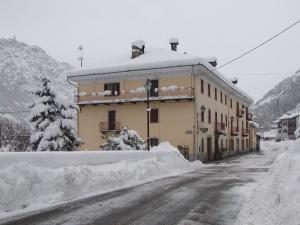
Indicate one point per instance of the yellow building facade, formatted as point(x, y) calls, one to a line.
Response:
point(192, 105)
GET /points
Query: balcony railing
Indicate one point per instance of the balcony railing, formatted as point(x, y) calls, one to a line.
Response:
point(245, 132)
point(134, 96)
point(220, 128)
point(235, 131)
point(249, 116)
point(109, 126)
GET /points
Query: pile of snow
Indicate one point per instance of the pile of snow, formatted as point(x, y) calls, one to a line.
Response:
point(170, 88)
point(138, 43)
point(38, 179)
point(139, 90)
point(173, 40)
point(276, 200)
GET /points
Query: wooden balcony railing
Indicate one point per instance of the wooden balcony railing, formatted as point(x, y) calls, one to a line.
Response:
point(249, 116)
point(240, 113)
point(180, 93)
point(220, 128)
point(245, 132)
point(235, 131)
point(109, 126)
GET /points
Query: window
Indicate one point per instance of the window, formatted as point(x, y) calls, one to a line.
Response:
point(202, 86)
point(222, 117)
point(154, 85)
point(237, 122)
point(209, 116)
point(231, 103)
point(216, 94)
point(208, 90)
point(221, 95)
point(226, 120)
point(114, 88)
point(154, 116)
point(216, 117)
point(154, 142)
point(225, 99)
point(202, 116)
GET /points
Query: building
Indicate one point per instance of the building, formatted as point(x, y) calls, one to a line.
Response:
point(286, 126)
point(193, 106)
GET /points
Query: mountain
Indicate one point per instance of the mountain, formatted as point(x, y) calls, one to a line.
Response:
point(284, 97)
point(21, 66)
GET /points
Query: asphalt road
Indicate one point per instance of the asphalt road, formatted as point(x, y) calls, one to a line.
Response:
point(212, 195)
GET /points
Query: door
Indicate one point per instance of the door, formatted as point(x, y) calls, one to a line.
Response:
point(209, 148)
point(154, 85)
point(111, 120)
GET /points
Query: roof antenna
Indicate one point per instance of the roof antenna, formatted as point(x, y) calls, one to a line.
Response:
point(80, 58)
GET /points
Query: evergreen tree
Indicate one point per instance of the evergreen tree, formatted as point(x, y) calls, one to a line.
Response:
point(43, 112)
point(53, 119)
point(60, 135)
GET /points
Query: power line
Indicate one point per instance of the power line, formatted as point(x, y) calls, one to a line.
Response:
point(261, 44)
point(259, 74)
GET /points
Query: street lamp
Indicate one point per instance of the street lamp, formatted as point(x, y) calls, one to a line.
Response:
point(148, 86)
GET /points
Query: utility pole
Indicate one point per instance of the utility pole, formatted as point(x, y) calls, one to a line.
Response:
point(80, 58)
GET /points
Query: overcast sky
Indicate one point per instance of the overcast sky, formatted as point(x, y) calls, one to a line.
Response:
point(221, 28)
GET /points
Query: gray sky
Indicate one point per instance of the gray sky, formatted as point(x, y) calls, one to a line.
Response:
point(223, 28)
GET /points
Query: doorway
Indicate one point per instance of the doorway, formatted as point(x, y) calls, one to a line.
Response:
point(112, 120)
point(209, 148)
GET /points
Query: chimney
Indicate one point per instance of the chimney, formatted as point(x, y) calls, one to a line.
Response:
point(137, 48)
point(212, 61)
point(174, 42)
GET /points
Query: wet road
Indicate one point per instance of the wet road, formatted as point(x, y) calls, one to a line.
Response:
point(212, 195)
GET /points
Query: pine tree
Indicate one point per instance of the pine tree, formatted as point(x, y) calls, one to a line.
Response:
point(54, 121)
point(43, 112)
point(60, 135)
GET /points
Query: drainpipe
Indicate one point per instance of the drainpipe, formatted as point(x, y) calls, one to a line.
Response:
point(195, 135)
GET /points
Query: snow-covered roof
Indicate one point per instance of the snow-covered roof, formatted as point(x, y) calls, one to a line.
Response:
point(153, 58)
point(288, 116)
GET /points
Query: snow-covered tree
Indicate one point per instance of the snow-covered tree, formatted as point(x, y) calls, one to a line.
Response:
point(53, 119)
point(60, 135)
point(43, 112)
point(127, 140)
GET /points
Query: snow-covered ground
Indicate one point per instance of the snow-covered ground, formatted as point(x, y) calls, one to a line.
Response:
point(30, 181)
point(276, 199)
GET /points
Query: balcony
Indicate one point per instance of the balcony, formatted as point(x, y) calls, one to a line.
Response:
point(220, 128)
point(235, 131)
point(134, 96)
point(249, 116)
point(109, 127)
point(240, 113)
point(245, 132)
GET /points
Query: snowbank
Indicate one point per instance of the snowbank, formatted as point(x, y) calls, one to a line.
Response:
point(276, 200)
point(39, 179)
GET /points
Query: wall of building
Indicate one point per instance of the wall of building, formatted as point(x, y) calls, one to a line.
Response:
point(175, 122)
point(179, 121)
point(176, 118)
point(223, 109)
